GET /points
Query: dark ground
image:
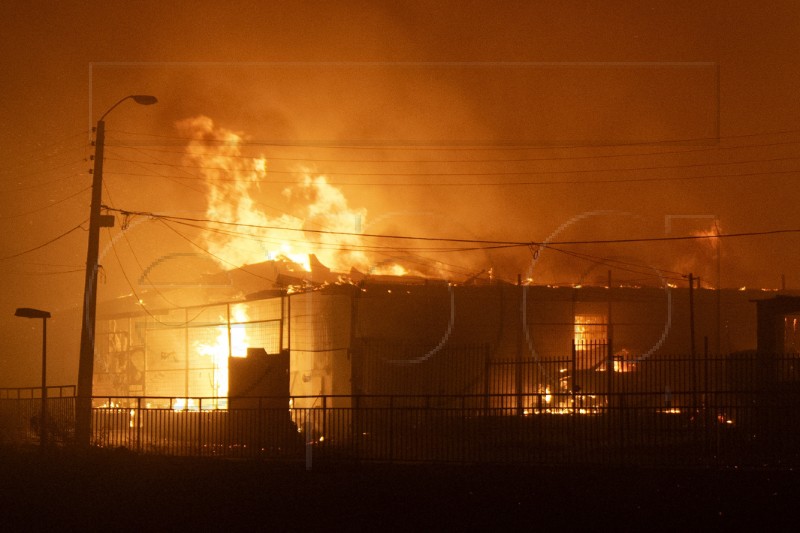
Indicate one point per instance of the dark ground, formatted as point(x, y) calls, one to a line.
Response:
point(116, 490)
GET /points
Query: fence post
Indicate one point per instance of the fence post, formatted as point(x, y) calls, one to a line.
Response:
point(325, 417)
point(621, 430)
point(574, 373)
point(707, 420)
point(199, 425)
point(356, 426)
point(258, 442)
point(138, 420)
point(307, 432)
point(486, 382)
point(573, 392)
point(391, 428)
point(462, 436)
point(609, 381)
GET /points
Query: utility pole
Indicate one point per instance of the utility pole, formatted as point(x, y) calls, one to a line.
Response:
point(83, 405)
point(86, 363)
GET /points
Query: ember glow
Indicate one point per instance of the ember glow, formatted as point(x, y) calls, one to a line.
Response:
point(184, 404)
point(588, 329)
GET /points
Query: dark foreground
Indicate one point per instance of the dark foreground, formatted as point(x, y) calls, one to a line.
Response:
point(116, 490)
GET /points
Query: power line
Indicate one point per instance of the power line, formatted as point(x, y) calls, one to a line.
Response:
point(130, 285)
point(44, 184)
point(331, 232)
point(47, 206)
point(486, 183)
point(170, 178)
point(45, 170)
point(614, 263)
point(52, 273)
point(448, 145)
point(56, 144)
point(190, 241)
point(621, 265)
point(413, 258)
point(141, 301)
point(182, 151)
point(51, 241)
point(346, 247)
point(60, 265)
point(495, 173)
point(457, 240)
point(133, 253)
point(412, 254)
point(682, 238)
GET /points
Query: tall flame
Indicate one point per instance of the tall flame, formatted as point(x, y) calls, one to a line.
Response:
point(318, 220)
point(236, 346)
point(232, 182)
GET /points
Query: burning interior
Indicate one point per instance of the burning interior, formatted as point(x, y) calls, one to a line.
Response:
point(326, 323)
point(411, 336)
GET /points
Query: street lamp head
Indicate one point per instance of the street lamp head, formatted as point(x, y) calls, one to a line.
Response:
point(27, 312)
point(144, 99)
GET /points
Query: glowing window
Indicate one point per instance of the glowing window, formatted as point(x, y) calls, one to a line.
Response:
point(589, 330)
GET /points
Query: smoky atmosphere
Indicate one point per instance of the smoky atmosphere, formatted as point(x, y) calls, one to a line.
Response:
point(448, 140)
point(491, 256)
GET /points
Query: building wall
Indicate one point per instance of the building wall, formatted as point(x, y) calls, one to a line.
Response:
point(416, 337)
point(520, 338)
point(318, 333)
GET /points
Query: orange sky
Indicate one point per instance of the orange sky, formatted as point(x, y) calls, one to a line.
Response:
point(426, 115)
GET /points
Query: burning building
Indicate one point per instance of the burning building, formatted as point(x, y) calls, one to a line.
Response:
point(414, 336)
point(311, 321)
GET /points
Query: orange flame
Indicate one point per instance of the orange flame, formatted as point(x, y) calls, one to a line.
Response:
point(234, 346)
point(233, 181)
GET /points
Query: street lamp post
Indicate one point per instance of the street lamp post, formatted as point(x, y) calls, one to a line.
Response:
point(27, 312)
point(83, 406)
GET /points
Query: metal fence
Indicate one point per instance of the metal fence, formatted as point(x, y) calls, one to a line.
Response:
point(738, 410)
point(21, 410)
point(632, 429)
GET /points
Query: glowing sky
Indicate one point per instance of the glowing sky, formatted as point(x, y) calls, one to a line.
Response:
point(474, 120)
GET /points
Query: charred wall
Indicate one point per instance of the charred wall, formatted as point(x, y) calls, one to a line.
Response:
point(430, 338)
point(418, 337)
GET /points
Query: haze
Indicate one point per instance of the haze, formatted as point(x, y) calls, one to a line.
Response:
point(510, 121)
